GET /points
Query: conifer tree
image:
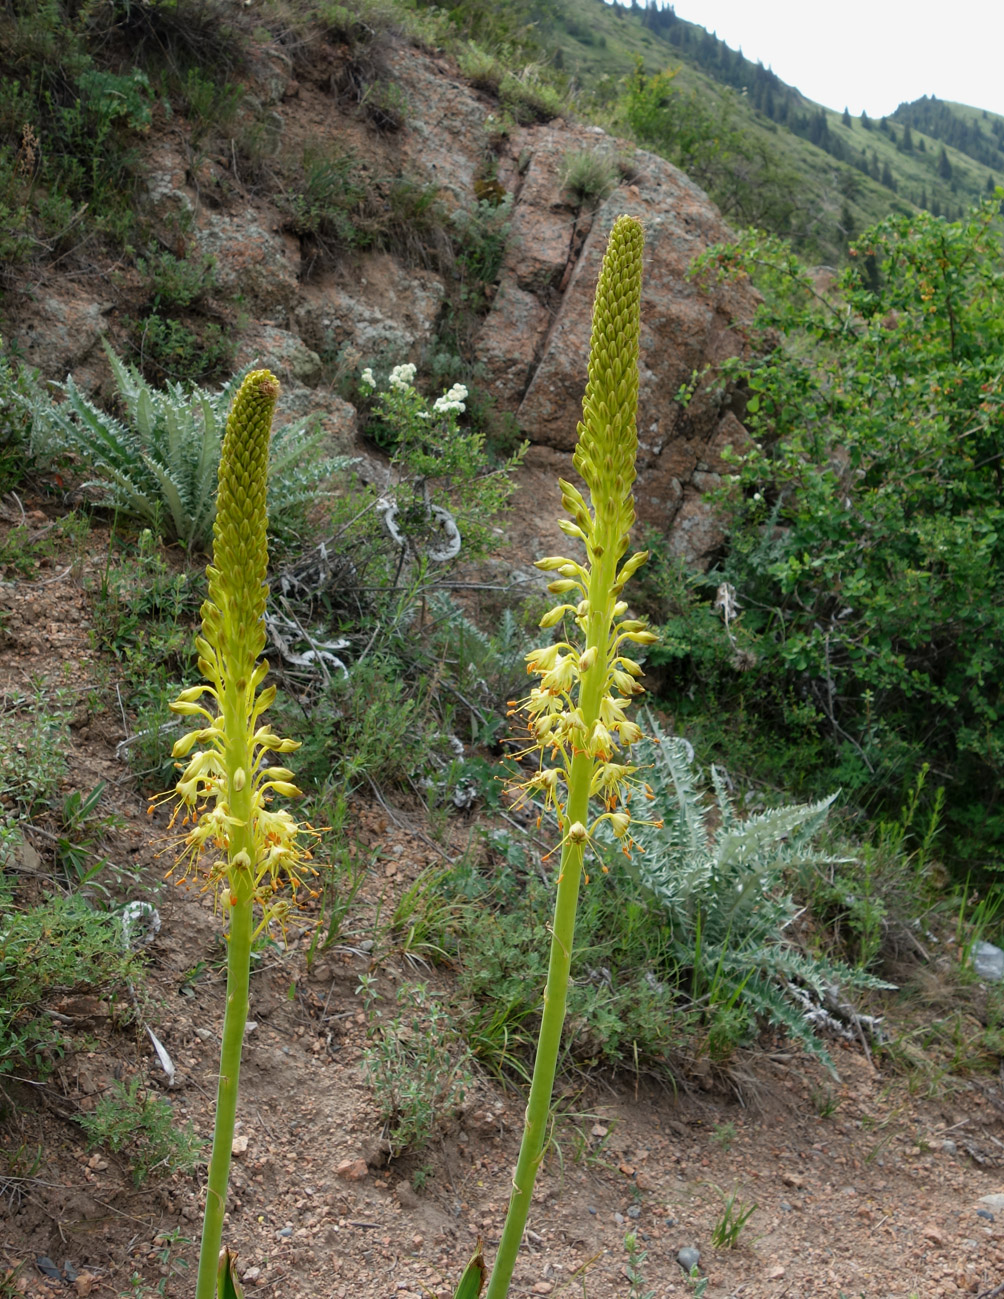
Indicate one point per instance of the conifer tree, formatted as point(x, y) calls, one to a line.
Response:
point(846, 119)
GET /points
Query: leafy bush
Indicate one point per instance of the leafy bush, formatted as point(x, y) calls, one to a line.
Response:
point(130, 1119)
point(529, 97)
point(47, 951)
point(34, 741)
point(622, 999)
point(867, 527)
point(588, 177)
point(68, 128)
point(441, 467)
point(417, 1065)
point(18, 387)
point(161, 465)
point(746, 178)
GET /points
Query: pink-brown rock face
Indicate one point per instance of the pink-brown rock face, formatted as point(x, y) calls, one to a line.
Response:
point(535, 341)
point(531, 349)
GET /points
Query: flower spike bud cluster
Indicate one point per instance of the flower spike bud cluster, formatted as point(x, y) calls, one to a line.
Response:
point(577, 713)
point(228, 781)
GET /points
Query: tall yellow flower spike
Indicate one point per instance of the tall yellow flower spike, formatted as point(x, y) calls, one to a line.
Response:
point(576, 714)
point(226, 785)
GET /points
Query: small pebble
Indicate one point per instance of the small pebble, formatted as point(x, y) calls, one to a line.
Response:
point(592, 1210)
point(785, 1207)
point(688, 1258)
point(949, 1148)
point(634, 1211)
point(985, 1213)
point(284, 1233)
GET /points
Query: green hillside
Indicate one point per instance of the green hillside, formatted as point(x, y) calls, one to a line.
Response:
point(836, 174)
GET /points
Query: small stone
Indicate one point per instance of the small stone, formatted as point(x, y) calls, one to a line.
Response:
point(84, 1284)
point(252, 1274)
point(634, 1211)
point(239, 1145)
point(949, 1148)
point(775, 1273)
point(993, 1201)
point(688, 1258)
point(407, 1196)
point(352, 1170)
point(985, 1213)
point(284, 1233)
point(619, 1219)
point(97, 1164)
point(934, 1234)
point(785, 1206)
point(598, 1130)
point(543, 1287)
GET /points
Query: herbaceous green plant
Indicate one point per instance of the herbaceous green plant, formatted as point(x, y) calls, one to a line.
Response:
point(575, 716)
point(226, 787)
point(160, 464)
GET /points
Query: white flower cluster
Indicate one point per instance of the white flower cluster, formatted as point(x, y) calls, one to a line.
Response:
point(452, 400)
point(367, 378)
point(401, 377)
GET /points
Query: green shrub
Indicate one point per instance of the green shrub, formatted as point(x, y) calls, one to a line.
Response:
point(529, 98)
point(866, 528)
point(144, 615)
point(623, 1005)
point(171, 349)
point(417, 1065)
point(160, 466)
point(327, 204)
point(588, 177)
point(129, 1119)
point(48, 951)
point(18, 388)
point(177, 283)
point(34, 741)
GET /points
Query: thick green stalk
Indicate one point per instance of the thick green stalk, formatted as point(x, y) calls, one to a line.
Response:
point(240, 900)
point(538, 1107)
point(234, 1021)
point(588, 731)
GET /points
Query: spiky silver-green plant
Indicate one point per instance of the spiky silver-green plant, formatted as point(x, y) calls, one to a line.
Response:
point(160, 464)
point(725, 882)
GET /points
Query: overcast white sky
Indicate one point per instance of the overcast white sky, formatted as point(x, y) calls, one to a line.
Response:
point(868, 54)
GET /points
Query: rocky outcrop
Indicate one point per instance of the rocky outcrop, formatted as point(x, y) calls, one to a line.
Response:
point(532, 346)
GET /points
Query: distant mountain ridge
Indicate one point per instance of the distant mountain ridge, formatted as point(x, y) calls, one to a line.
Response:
point(852, 171)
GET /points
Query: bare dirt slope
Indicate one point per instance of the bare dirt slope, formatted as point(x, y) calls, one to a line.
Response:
point(861, 1187)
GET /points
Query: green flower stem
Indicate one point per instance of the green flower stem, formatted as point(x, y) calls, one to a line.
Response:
point(531, 1150)
point(241, 904)
point(234, 1020)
